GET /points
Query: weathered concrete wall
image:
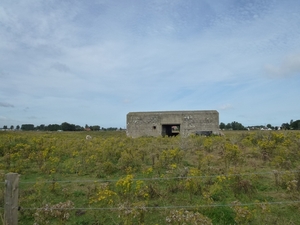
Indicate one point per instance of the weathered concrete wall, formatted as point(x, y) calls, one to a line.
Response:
point(152, 123)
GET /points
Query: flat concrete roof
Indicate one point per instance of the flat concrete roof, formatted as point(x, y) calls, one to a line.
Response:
point(177, 111)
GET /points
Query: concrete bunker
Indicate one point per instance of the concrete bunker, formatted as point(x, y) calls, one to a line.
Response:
point(172, 123)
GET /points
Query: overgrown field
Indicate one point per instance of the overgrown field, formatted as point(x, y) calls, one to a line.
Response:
point(239, 178)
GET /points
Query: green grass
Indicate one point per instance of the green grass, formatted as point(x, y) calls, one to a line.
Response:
point(198, 174)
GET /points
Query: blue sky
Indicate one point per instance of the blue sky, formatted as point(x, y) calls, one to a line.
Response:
point(92, 62)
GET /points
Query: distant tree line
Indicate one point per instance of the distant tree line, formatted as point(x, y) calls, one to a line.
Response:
point(59, 127)
point(232, 126)
point(292, 125)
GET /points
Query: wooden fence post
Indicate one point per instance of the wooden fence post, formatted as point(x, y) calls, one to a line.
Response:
point(11, 199)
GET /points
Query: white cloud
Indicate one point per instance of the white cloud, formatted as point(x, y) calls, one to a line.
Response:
point(106, 58)
point(289, 66)
point(226, 107)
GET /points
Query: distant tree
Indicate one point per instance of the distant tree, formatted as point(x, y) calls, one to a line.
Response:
point(222, 126)
point(237, 126)
point(68, 127)
point(95, 128)
point(285, 126)
point(53, 127)
point(12, 127)
point(18, 127)
point(270, 126)
point(232, 126)
point(228, 126)
point(41, 127)
point(79, 128)
point(4, 127)
point(27, 127)
point(295, 125)
point(111, 128)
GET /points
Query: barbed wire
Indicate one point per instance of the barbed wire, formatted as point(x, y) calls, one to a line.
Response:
point(170, 206)
point(160, 178)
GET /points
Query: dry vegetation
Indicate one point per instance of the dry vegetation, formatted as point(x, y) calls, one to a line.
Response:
point(239, 178)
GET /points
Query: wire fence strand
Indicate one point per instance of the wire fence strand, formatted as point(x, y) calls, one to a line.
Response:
point(174, 207)
point(161, 178)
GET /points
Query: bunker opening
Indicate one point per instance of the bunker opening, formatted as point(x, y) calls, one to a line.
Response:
point(170, 130)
